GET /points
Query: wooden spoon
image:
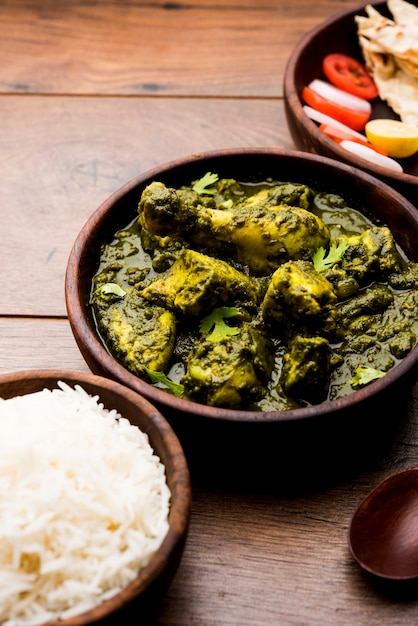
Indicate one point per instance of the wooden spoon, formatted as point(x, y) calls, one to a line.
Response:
point(383, 535)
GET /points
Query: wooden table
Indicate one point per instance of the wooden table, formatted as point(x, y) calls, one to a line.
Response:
point(91, 94)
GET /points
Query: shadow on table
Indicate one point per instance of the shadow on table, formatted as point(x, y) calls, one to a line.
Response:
point(396, 592)
point(292, 456)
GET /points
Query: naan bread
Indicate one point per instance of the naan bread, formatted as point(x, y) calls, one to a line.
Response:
point(390, 50)
point(401, 93)
point(403, 12)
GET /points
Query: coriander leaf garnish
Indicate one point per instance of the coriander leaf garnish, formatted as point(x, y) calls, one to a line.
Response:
point(201, 186)
point(365, 375)
point(323, 260)
point(159, 377)
point(111, 289)
point(213, 325)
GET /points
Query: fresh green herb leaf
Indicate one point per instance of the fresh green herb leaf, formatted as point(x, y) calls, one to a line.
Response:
point(323, 260)
point(111, 289)
point(365, 375)
point(201, 186)
point(159, 377)
point(213, 325)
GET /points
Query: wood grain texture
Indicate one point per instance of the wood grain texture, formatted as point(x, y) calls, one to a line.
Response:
point(29, 343)
point(256, 555)
point(92, 92)
point(287, 560)
point(61, 157)
point(148, 48)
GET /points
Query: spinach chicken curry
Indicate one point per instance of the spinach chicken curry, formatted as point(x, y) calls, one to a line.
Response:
point(257, 297)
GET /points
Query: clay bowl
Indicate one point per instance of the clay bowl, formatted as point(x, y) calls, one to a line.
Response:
point(337, 34)
point(196, 423)
point(145, 592)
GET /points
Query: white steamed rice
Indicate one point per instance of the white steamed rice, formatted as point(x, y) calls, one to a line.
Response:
point(83, 504)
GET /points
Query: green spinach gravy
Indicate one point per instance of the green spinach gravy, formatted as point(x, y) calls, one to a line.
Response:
point(260, 297)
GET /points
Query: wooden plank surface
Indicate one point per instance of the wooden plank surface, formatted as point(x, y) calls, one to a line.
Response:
point(256, 554)
point(30, 343)
point(61, 157)
point(147, 48)
point(262, 554)
point(91, 94)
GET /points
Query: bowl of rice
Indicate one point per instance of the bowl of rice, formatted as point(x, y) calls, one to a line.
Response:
point(95, 500)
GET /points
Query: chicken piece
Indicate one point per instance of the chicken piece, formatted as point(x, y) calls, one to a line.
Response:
point(306, 368)
point(297, 292)
point(407, 278)
point(196, 283)
point(138, 333)
point(228, 373)
point(257, 236)
point(162, 250)
point(290, 194)
point(353, 314)
point(371, 255)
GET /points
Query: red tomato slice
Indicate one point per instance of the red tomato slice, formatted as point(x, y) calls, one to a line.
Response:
point(350, 75)
point(356, 120)
point(339, 135)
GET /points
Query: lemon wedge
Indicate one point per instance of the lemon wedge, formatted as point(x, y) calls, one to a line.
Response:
point(397, 139)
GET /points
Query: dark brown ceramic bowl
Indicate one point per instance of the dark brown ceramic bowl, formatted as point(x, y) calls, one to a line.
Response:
point(360, 189)
point(337, 34)
point(145, 592)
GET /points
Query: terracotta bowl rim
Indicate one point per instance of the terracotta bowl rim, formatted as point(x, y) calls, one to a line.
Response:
point(84, 333)
point(181, 496)
point(295, 104)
